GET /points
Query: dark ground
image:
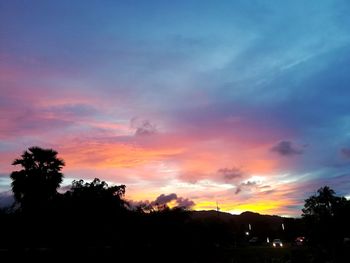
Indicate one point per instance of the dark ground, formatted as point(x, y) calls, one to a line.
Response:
point(258, 254)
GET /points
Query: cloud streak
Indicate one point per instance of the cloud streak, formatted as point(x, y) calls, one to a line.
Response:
point(211, 105)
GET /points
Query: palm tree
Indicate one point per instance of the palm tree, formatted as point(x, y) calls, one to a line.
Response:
point(321, 205)
point(326, 217)
point(37, 182)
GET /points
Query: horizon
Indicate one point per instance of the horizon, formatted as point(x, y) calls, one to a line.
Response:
point(193, 102)
point(8, 203)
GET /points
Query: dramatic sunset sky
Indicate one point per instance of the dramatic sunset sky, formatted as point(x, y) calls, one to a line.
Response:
point(246, 103)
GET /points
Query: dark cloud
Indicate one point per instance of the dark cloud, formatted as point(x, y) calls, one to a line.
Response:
point(286, 148)
point(164, 199)
point(276, 67)
point(143, 127)
point(249, 183)
point(136, 204)
point(345, 152)
point(184, 203)
point(231, 173)
point(244, 185)
point(268, 192)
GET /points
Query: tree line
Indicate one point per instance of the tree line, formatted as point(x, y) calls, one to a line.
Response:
point(95, 215)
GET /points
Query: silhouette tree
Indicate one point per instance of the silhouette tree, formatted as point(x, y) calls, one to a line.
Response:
point(324, 215)
point(97, 196)
point(322, 206)
point(37, 182)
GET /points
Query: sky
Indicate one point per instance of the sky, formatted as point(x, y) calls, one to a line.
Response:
point(244, 103)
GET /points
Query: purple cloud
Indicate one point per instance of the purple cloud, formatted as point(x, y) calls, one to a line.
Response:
point(345, 152)
point(164, 199)
point(243, 185)
point(143, 127)
point(184, 203)
point(286, 148)
point(231, 173)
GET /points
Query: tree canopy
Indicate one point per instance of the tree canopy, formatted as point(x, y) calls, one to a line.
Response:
point(39, 177)
point(96, 196)
point(97, 215)
point(326, 216)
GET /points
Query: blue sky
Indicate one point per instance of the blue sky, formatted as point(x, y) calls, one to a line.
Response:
point(163, 95)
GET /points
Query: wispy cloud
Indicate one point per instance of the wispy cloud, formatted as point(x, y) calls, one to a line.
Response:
point(143, 127)
point(215, 90)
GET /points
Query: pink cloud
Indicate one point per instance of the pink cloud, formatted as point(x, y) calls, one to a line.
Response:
point(92, 132)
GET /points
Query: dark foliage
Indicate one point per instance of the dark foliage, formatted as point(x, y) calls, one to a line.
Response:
point(327, 218)
point(39, 178)
point(95, 197)
point(93, 221)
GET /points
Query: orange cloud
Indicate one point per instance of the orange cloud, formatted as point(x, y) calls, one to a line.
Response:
point(114, 155)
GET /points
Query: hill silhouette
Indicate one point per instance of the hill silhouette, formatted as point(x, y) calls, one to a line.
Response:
point(94, 221)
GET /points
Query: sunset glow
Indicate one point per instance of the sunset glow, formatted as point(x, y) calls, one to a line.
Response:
point(195, 98)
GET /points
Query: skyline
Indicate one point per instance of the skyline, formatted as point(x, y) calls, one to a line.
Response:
point(242, 103)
